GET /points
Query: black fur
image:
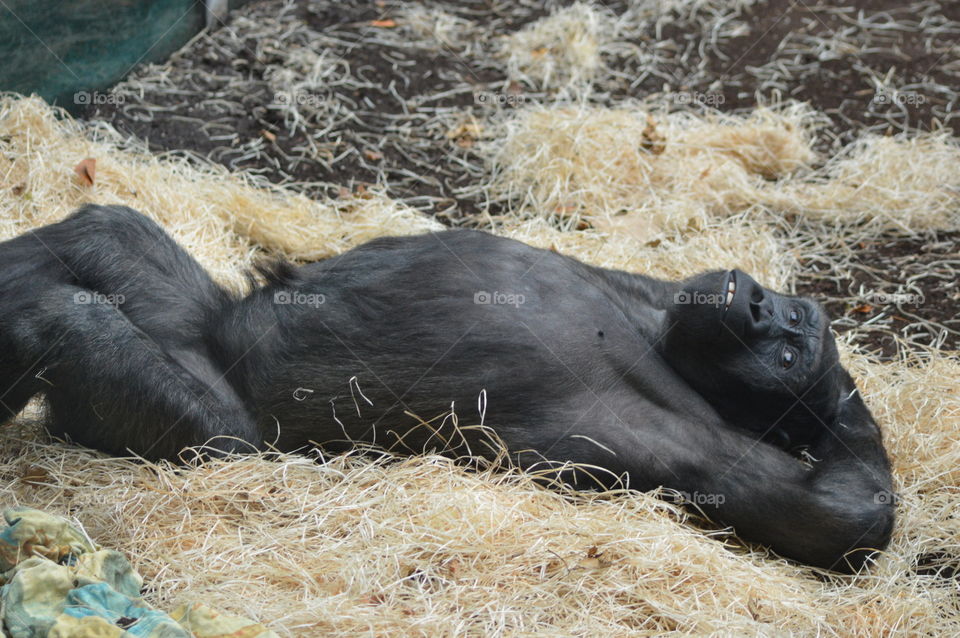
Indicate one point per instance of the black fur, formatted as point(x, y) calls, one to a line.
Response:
point(654, 382)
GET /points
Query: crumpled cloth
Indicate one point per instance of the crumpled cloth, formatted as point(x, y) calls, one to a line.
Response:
point(56, 582)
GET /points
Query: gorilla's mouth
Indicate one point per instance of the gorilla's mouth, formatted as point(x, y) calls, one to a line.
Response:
point(730, 289)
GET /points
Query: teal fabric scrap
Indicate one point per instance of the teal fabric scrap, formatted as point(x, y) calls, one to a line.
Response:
point(56, 583)
point(133, 616)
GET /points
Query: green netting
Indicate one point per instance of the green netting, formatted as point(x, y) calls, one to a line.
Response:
point(68, 50)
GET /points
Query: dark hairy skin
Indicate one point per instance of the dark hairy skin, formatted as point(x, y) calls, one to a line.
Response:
point(649, 382)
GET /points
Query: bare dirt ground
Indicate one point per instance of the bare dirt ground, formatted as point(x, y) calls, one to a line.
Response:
point(336, 98)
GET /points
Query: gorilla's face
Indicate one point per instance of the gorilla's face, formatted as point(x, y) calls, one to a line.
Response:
point(765, 361)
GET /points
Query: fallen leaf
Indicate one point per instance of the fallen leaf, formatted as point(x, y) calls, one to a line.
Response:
point(34, 475)
point(383, 24)
point(372, 155)
point(466, 134)
point(86, 170)
point(267, 135)
point(653, 142)
point(373, 599)
point(591, 563)
point(362, 190)
point(453, 567)
point(863, 308)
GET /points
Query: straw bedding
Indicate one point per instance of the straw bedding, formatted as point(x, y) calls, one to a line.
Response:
point(312, 545)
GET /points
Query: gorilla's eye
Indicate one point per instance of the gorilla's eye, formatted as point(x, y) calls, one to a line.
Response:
point(794, 317)
point(788, 358)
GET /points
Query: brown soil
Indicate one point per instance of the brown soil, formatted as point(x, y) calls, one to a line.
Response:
point(891, 286)
point(847, 59)
point(869, 65)
point(844, 64)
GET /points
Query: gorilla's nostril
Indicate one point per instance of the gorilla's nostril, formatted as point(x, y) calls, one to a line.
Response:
point(756, 311)
point(756, 295)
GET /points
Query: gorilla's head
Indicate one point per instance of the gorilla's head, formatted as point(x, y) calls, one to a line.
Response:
point(767, 362)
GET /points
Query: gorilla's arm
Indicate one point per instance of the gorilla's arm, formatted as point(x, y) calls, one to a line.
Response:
point(829, 515)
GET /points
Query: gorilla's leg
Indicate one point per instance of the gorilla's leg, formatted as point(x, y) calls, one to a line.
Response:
point(26, 268)
point(112, 387)
point(124, 255)
point(109, 317)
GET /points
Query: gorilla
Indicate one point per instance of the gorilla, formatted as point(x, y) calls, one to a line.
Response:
point(715, 387)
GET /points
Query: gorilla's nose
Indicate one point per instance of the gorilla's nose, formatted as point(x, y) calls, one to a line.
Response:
point(754, 303)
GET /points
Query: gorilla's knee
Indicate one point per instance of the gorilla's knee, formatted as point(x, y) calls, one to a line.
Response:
point(112, 219)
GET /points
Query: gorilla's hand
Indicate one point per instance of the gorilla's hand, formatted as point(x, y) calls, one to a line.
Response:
point(835, 514)
point(854, 469)
point(849, 499)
